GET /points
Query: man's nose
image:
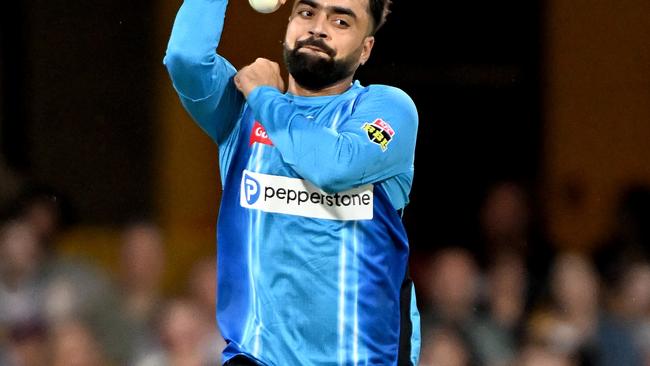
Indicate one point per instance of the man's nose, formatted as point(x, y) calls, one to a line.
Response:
point(318, 27)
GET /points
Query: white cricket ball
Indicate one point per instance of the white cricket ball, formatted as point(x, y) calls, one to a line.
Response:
point(265, 6)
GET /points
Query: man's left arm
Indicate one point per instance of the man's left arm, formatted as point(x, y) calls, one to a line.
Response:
point(374, 142)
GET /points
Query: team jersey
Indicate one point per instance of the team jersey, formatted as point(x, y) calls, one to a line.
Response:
point(312, 253)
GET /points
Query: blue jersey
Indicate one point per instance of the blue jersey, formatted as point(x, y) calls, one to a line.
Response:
point(312, 252)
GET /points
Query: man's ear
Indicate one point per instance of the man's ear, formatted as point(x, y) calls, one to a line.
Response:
point(368, 42)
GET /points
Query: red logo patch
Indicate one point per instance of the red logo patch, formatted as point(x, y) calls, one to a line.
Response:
point(379, 132)
point(258, 134)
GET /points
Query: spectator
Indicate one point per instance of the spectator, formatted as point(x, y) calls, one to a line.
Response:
point(452, 287)
point(630, 302)
point(38, 283)
point(573, 322)
point(28, 345)
point(203, 285)
point(505, 219)
point(445, 347)
point(74, 344)
point(45, 210)
point(453, 292)
point(497, 327)
point(629, 243)
point(20, 258)
point(141, 269)
point(506, 292)
point(203, 289)
point(534, 355)
point(509, 228)
point(185, 337)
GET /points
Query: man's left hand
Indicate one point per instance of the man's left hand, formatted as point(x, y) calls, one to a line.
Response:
point(262, 72)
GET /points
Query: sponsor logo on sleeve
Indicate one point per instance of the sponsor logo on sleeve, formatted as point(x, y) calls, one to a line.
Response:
point(379, 132)
point(293, 196)
point(258, 134)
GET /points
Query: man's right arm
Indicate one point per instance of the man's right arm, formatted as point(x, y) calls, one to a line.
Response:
point(202, 78)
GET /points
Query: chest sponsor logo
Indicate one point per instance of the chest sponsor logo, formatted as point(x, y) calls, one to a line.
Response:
point(293, 196)
point(258, 134)
point(379, 132)
point(251, 189)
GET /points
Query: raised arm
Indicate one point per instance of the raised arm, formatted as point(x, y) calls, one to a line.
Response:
point(375, 142)
point(202, 78)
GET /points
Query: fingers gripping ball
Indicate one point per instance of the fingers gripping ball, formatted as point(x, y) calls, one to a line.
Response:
point(265, 6)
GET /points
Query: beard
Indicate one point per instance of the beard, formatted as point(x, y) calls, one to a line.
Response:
point(315, 72)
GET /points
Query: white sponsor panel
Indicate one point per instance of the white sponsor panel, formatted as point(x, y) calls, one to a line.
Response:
point(293, 196)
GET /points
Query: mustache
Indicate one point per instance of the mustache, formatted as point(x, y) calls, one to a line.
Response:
point(315, 42)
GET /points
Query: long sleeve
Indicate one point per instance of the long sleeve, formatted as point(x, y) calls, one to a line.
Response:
point(202, 78)
point(374, 142)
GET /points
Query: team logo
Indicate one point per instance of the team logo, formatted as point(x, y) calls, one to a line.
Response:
point(258, 134)
point(379, 132)
point(251, 189)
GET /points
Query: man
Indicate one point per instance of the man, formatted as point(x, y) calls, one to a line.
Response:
point(312, 254)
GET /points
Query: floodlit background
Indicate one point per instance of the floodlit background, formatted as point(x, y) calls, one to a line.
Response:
point(529, 218)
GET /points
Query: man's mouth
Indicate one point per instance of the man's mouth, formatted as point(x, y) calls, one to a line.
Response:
point(315, 49)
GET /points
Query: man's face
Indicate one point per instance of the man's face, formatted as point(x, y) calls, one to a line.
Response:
point(327, 40)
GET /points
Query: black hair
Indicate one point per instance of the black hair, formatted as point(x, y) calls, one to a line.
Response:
point(379, 10)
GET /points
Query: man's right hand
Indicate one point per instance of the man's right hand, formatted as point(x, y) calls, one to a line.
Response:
point(262, 72)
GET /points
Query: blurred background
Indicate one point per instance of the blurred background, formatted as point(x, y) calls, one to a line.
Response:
point(530, 215)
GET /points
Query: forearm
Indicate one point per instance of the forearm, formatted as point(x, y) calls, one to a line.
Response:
point(202, 78)
point(326, 158)
point(191, 59)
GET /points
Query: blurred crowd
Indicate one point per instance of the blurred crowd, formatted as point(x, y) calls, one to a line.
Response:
point(510, 299)
point(518, 301)
point(60, 311)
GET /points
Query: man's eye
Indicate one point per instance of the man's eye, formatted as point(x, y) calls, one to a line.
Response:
point(305, 13)
point(341, 23)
